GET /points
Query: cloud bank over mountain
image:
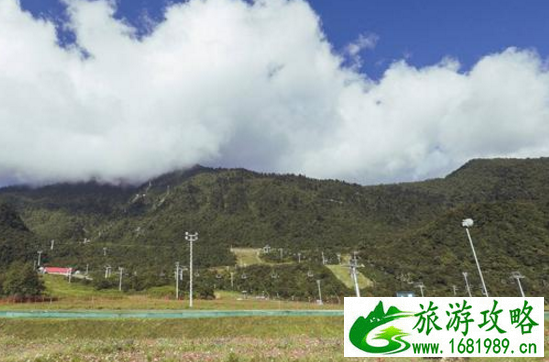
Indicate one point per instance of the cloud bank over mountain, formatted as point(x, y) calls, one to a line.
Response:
point(229, 83)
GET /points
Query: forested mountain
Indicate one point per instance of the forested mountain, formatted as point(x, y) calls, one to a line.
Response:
point(411, 231)
point(17, 243)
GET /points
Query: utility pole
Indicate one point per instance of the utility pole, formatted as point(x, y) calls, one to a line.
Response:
point(467, 223)
point(177, 281)
point(39, 258)
point(191, 238)
point(232, 280)
point(281, 253)
point(70, 275)
point(467, 283)
point(121, 270)
point(323, 259)
point(338, 258)
point(518, 276)
point(52, 244)
point(299, 258)
point(319, 292)
point(455, 290)
point(104, 251)
point(87, 269)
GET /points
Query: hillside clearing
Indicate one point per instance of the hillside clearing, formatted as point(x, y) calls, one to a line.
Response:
point(342, 273)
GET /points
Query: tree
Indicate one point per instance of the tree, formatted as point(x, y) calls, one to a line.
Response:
point(22, 281)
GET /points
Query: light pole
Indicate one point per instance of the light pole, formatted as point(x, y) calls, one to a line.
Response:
point(467, 223)
point(518, 276)
point(177, 281)
point(121, 271)
point(191, 238)
point(319, 292)
point(467, 283)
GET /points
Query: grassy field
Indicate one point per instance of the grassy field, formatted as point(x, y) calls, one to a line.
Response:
point(77, 296)
point(227, 339)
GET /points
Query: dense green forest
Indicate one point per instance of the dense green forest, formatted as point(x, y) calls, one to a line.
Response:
point(404, 233)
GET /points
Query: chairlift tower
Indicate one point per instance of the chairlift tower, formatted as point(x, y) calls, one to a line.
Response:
point(39, 257)
point(354, 274)
point(421, 287)
point(191, 238)
point(467, 223)
point(467, 283)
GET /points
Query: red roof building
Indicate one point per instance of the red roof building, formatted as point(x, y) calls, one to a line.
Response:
point(57, 271)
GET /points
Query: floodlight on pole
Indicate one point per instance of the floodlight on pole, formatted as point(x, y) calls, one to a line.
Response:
point(518, 276)
point(467, 283)
point(191, 238)
point(467, 223)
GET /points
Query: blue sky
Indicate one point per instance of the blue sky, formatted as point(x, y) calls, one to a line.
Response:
point(420, 31)
point(386, 91)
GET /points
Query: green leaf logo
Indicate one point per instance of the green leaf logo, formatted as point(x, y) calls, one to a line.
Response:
point(394, 336)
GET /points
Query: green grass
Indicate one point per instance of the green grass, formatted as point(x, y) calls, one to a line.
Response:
point(58, 286)
point(76, 296)
point(342, 273)
point(228, 339)
point(247, 256)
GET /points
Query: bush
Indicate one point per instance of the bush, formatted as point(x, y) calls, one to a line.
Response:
point(22, 281)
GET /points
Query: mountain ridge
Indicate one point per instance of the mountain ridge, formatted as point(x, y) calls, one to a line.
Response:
point(237, 207)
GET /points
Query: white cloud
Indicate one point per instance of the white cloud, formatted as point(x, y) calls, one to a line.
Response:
point(227, 83)
point(363, 42)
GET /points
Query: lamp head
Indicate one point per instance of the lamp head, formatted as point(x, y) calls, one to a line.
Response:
point(467, 223)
